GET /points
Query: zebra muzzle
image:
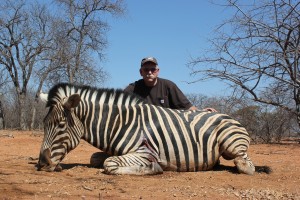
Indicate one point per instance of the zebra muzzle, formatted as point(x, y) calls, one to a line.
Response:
point(45, 163)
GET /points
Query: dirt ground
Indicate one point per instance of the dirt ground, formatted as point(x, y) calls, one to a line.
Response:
point(20, 180)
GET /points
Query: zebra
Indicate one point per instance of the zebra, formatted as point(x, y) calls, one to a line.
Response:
point(141, 139)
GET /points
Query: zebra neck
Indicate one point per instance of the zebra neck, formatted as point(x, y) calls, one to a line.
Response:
point(101, 123)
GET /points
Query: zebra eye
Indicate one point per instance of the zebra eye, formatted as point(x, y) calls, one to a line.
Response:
point(62, 124)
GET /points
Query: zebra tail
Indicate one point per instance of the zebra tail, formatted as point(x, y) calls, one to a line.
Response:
point(263, 169)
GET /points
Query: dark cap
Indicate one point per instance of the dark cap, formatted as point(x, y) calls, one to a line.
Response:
point(148, 59)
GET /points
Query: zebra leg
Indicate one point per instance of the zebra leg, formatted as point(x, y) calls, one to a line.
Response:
point(241, 160)
point(143, 161)
point(98, 158)
point(133, 164)
point(244, 164)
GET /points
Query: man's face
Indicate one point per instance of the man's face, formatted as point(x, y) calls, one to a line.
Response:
point(149, 71)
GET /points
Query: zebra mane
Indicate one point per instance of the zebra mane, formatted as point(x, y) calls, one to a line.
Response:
point(61, 90)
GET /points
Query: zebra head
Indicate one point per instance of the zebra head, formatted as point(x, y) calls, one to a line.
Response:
point(62, 132)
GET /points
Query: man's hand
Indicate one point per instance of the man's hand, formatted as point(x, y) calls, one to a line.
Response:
point(210, 109)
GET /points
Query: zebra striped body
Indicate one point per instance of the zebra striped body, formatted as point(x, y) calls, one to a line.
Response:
point(142, 138)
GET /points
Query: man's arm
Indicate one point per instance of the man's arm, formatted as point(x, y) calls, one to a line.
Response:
point(193, 108)
point(205, 109)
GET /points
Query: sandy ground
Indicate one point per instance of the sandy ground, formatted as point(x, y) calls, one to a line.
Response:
point(78, 180)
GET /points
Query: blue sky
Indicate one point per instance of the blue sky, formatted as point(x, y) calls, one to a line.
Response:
point(172, 31)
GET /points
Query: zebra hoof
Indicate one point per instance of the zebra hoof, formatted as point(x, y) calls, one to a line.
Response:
point(244, 166)
point(58, 168)
point(110, 167)
point(97, 159)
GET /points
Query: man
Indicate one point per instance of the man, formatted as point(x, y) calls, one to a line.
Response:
point(154, 90)
point(158, 91)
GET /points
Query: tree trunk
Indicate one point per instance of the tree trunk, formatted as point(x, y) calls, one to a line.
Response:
point(1, 117)
point(297, 100)
point(23, 114)
point(33, 118)
point(298, 115)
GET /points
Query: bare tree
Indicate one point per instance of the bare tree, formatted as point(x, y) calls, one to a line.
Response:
point(258, 51)
point(1, 114)
point(3, 81)
point(22, 39)
point(80, 33)
point(198, 100)
point(38, 48)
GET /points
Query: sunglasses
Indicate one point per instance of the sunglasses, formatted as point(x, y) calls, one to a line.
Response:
point(153, 69)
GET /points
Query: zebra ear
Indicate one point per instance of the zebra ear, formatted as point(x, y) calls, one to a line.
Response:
point(43, 97)
point(72, 101)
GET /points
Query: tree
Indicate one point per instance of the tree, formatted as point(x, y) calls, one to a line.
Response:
point(1, 114)
point(3, 82)
point(257, 52)
point(203, 101)
point(80, 33)
point(38, 47)
point(263, 123)
point(22, 40)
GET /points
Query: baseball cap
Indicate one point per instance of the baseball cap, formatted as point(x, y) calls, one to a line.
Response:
point(148, 59)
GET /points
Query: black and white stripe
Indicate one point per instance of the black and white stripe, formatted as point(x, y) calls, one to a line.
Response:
point(142, 138)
